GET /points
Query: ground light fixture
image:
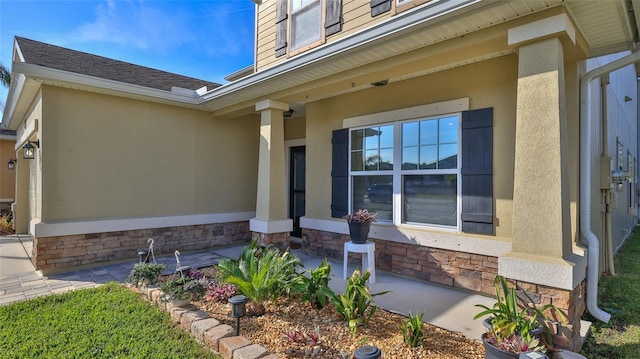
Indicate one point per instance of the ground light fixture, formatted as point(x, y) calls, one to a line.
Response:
point(238, 309)
point(11, 165)
point(368, 352)
point(29, 150)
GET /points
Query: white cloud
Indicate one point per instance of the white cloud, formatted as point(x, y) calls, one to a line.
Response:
point(136, 24)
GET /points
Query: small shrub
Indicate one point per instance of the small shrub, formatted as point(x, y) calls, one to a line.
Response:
point(356, 305)
point(301, 337)
point(6, 224)
point(261, 273)
point(221, 292)
point(179, 287)
point(412, 330)
point(315, 287)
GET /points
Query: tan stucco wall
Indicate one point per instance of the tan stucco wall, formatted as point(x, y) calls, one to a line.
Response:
point(7, 177)
point(488, 84)
point(294, 128)
point(110, 157)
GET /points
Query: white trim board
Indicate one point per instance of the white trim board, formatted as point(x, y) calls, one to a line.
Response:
point(67, 228)
point(432, 109)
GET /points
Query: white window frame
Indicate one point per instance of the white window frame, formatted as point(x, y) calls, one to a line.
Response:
point(397, 117)
point(293, 14)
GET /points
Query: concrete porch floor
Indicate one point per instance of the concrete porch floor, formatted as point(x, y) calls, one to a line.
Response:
point(444, 307)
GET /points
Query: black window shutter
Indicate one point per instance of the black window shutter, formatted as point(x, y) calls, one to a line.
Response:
point(340, 173)
point(281, 28)
point(477, 171)
point(380, 6)
point(333, 17)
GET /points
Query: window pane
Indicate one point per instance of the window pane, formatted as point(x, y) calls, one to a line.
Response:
point(386, 159)
point(356, 161)
point(448, 157)
point(305, 25)
point(386, 137)
point(371, 140)
point(371, 160)
point(374, 193)
point(410, 158)
point(428, 132)
point(428, 157)
point(357, 139)
point(449, 130)
point(410, 134)
point(430, 199)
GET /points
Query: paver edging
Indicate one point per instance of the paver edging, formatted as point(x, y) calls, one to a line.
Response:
point(184, 317)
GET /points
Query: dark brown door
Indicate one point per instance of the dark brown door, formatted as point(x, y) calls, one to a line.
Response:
point(297, 187)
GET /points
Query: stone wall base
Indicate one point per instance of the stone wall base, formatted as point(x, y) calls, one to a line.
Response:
point(459, 270)
point(279, 240)
point(51, 254)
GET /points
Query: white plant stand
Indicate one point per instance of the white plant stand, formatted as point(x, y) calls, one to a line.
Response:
point(368, 258)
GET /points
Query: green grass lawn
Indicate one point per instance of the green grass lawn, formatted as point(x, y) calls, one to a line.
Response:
point(105, 322)
point(620, 296)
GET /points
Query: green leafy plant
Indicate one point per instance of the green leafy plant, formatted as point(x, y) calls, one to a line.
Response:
point(315, 287)
point(262, 273)
point(356, 305)
point(412, 330)
point(507, 317)
point(144, 274)
point(179, 287)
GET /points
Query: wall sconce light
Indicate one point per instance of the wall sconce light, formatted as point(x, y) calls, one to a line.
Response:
point(380, 83)
point(29, 150)
point(238, 309)
point(11, 165)
point(627, 99)
point(287, 113)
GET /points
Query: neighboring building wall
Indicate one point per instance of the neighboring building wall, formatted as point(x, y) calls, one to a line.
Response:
point(620, 92)
point(7, 177)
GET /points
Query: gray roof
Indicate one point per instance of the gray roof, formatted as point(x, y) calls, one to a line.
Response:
point(56, 57)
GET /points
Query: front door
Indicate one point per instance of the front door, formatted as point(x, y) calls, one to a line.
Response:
point(297, 187)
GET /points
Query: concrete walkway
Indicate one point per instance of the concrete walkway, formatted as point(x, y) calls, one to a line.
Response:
point(444, 307)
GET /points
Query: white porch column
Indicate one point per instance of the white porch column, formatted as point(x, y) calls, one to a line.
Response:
point(271, 223)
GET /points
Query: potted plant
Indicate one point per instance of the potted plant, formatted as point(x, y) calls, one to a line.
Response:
point(511, 346)
point(180, 289)
point(144, 274)
point(359, 225)
point(511, 325)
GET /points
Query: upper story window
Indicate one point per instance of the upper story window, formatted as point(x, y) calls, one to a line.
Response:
point(306, 19)
point(300, 25)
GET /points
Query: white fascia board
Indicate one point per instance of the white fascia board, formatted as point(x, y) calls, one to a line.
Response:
point(55, 75)
point(360, 39)
point(15, 90)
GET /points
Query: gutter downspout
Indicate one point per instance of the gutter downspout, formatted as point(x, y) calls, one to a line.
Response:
point(585, 181)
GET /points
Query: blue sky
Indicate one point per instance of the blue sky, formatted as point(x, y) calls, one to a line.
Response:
point(202, 39)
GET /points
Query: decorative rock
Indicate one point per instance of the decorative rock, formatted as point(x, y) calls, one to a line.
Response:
point(200, 326)
point(191, 316)
point(213, 335)
point(228, 345)
point(250, 352)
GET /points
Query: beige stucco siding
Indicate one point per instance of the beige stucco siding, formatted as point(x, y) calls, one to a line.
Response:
point(488, 84)
point(294, 128)
point(109, 157)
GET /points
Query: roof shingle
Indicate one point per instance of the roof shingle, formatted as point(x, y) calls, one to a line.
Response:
point(60, 58)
